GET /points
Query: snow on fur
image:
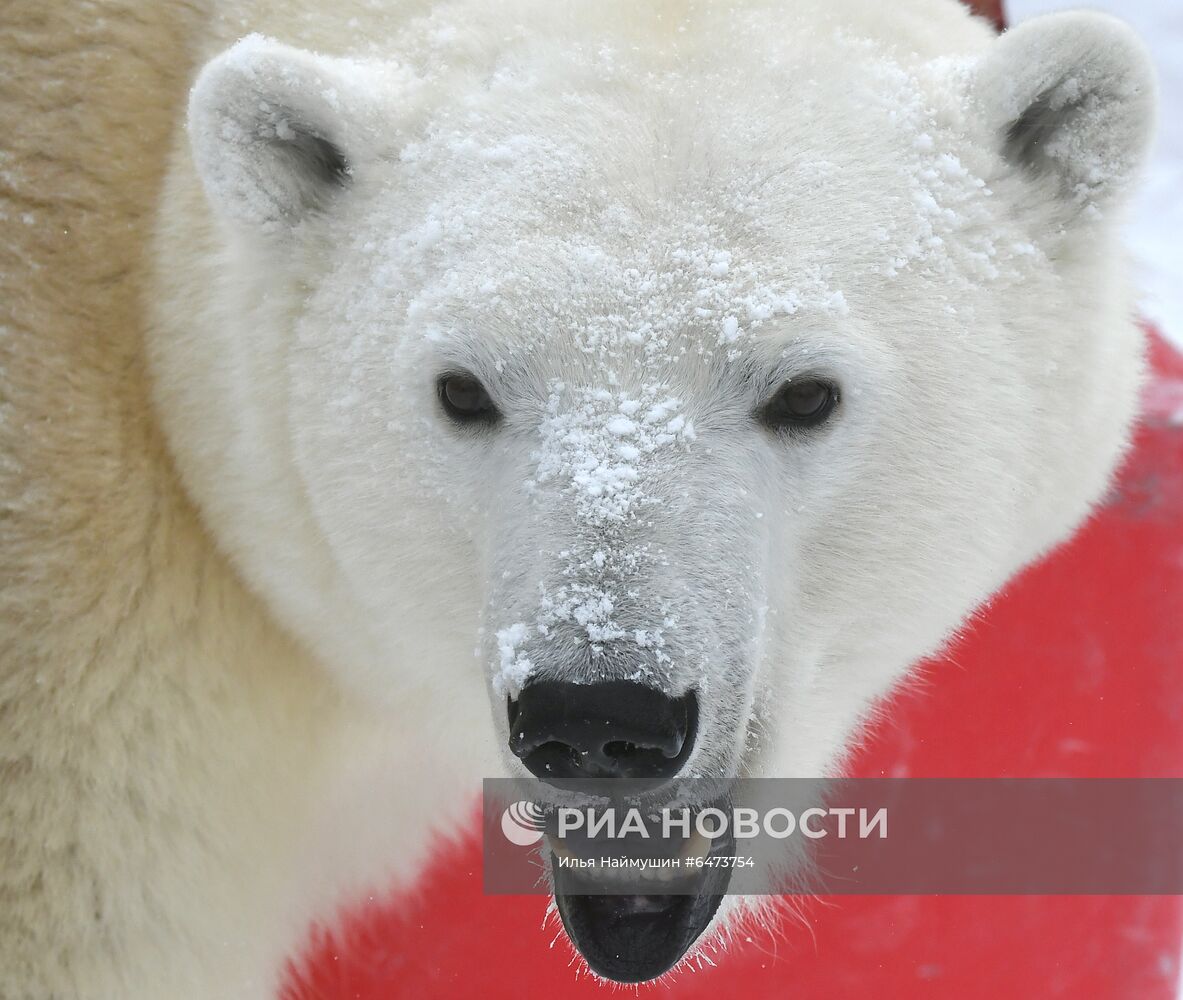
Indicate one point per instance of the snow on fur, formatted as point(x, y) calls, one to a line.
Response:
point(635, 289)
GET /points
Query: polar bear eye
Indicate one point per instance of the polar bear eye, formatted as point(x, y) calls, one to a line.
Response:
point(465, 400)
point(800, 403)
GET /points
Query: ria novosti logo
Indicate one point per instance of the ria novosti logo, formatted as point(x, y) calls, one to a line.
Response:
point(981, 836)
point(523, 823)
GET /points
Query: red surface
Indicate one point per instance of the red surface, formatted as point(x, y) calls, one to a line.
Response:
point(1073, 671)
point(991, 10)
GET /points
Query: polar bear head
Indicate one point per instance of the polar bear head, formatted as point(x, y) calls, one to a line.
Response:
point(664, 399)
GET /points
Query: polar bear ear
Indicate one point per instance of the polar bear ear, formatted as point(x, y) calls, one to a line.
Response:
point(270, 132)
point(1071, 99)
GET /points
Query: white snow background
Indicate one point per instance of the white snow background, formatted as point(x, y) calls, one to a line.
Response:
point(1156, 221)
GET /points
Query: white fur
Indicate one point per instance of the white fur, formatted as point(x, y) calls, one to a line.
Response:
point(611, 213)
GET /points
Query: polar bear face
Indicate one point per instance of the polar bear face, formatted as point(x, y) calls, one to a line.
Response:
point(747, 377)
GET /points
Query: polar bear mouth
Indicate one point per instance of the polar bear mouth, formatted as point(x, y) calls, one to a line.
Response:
point(632, 924)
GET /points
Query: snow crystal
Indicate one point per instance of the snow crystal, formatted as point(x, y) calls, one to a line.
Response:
point(515, 669)
point(582, 448)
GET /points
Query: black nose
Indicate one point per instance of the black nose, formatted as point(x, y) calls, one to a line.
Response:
point(615, 729)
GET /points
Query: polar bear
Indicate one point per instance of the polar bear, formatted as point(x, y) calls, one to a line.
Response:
point(444, 375)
